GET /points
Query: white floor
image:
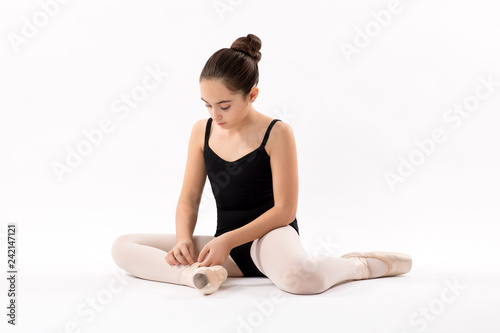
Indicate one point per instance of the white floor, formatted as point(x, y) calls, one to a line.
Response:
point(427, 300)
point(70, 284)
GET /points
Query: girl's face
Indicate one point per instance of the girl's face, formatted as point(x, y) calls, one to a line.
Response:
point(226, 108)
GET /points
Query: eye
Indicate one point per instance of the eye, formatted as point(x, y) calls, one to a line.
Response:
point(226, 108)
point(208, 106)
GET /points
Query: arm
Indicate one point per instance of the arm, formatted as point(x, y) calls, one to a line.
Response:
point(282, 151)
point(189, 199)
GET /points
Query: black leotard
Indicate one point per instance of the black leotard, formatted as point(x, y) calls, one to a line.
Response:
point(243, 191)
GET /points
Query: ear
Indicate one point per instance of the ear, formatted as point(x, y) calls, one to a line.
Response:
point(254, 92)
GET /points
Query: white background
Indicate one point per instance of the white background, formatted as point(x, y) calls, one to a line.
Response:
point(354, 118)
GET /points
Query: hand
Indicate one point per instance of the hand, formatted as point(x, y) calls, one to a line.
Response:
point(215, 252)
point(181, 253)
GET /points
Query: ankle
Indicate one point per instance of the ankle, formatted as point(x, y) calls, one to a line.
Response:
point(206, 280)
point(187, 275)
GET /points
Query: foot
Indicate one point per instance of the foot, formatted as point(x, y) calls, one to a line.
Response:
point(369, 268)
point(206, 280)
point(371, 265)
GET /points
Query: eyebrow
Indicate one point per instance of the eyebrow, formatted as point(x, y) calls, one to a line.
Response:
point(217, 102)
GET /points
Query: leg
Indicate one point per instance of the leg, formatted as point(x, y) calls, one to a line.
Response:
point(143, 255)
point(281, 257)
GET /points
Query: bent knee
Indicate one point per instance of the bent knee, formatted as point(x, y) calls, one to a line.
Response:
point(119, 246)
point(302, 279)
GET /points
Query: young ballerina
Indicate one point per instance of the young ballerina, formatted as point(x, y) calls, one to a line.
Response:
point(251, 162)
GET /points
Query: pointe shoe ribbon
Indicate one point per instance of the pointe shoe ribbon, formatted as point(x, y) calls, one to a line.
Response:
point(206, 280)
point(398, 263)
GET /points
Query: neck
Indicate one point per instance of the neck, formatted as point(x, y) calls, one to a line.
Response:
point(249, 119)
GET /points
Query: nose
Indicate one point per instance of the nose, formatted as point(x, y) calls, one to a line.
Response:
point(217, 116)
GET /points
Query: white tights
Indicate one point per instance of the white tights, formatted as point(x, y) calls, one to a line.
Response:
point(278, 254)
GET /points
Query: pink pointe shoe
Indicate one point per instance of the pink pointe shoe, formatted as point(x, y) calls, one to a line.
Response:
point(398, 263)
point(206, 280)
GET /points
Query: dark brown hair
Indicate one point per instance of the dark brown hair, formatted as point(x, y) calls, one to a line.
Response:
point(236, 66)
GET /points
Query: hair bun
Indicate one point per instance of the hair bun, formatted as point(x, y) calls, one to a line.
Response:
point(250, 45)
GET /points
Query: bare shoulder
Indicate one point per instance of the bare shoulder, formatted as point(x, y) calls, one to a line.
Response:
point(281, 130)
point(198, 132)
point(200, 124)
point(281, 136)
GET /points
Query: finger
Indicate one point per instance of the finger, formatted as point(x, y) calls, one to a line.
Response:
point(189, 256)
point(178, 256)
point(203, 253)
point(170, 258)
point(207, 261)
point(181, 258)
